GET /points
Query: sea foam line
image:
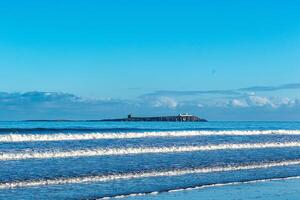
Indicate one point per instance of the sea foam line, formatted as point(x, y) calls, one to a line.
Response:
point(130, 135)
point(138, 150)
point(169, 173)
point(199, 187)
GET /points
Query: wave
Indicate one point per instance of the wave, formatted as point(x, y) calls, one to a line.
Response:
point(169, 173)
point(131, 135)
point(138, 150)
point(198, 187)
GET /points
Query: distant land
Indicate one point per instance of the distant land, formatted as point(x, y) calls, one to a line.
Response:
point(130, 118)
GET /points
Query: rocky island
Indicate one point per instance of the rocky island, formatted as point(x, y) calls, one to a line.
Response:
point(176, 118)
point(130, 118)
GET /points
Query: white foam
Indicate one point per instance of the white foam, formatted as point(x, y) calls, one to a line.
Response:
point(98, 136)
point(138, 150)
point(170, 173)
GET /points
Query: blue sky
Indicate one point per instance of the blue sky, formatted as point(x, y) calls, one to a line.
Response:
point(108, 58)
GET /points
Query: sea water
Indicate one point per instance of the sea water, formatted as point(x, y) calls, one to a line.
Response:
point(96, 160)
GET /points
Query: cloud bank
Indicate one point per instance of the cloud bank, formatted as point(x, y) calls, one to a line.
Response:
point(239, 91)
point(272, 88)
point(236, 104)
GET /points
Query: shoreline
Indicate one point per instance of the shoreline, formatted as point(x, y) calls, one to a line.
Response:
point(267, 189)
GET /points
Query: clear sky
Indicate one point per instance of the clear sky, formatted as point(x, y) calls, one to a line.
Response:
point(146, 51)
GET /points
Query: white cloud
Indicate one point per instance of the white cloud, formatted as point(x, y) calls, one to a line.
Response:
point(199, 105)
point(260, 101)
point(285, 101)
point(239, 103)
point(165, 102)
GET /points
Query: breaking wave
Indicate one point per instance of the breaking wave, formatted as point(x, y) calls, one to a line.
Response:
point(169, 173)
point(138, 150)
point(129, 135)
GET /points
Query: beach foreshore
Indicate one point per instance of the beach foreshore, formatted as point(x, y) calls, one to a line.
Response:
point(260, 190)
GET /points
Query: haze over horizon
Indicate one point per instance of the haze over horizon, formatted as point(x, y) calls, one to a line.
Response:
point(223, 60)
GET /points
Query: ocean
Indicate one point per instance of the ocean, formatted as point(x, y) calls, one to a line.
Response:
point(146, 160)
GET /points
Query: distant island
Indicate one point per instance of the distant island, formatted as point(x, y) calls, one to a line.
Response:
point(130, 118)
point(176, 118)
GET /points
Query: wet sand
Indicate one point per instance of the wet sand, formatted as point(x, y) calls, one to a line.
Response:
point(288, 189)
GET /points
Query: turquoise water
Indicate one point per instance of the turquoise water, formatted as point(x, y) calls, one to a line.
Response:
point(94, 160)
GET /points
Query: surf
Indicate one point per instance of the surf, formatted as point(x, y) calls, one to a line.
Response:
point(138, 175)
point(15, 137)
point(138, 150)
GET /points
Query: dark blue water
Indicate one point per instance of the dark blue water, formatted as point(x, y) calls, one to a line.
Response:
point(44, 160)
